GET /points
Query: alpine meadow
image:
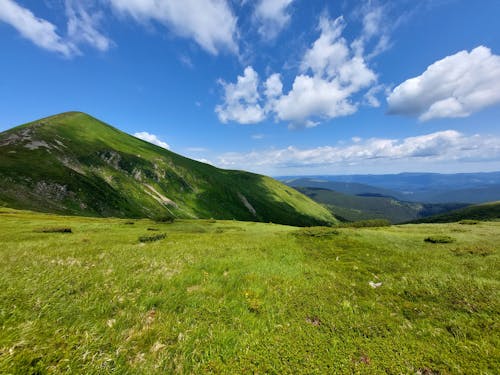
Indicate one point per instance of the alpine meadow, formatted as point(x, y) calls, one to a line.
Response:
point(249, 187)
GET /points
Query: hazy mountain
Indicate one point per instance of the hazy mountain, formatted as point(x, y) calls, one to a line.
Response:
point(355, 208)
point(415, 187)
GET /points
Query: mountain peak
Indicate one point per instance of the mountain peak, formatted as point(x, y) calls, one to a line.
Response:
point(73, 163)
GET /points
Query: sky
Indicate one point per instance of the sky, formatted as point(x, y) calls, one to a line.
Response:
point(279, 87)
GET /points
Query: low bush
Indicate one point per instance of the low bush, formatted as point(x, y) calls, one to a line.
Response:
point(439, 239)
point(164, 219)
point(153, 229)
point(468, 222)
point(317, 232)
point(473, 250)
point(156, 237)
point(367, 223)
point(55, 230)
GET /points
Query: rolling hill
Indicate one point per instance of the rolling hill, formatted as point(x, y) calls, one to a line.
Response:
point(485, 211)
point(365, 207)
point(74, 164)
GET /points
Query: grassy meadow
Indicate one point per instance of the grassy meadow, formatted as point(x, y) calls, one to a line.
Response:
point(208, 296)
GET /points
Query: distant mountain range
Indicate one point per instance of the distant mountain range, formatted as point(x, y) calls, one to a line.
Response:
point(414, 187)
point(371, 206)
point(72, 163)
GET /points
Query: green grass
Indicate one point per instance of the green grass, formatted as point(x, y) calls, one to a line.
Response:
point(235, 297)
point(75, 164)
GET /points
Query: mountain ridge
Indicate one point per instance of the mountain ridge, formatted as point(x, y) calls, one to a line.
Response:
point(75, 164)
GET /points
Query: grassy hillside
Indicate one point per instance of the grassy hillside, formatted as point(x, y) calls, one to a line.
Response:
point(232, 297)
point(75, 164)
point(485, 211)
point(355, 208)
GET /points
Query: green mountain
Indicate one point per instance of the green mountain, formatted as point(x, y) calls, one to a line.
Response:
point(355, 208)
point(485, 211)
point(74, 164)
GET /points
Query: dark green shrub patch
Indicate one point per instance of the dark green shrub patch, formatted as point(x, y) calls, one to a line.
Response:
point(439, 239)
point(156, 237)
point(468, 222)
point(473, 250)
point(164, 219)
point(153, 229)
point(54, 230)
point(367, 223)
point(317, 232)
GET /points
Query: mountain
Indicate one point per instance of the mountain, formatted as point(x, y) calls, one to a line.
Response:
point(350, 188)
point(355, 208)
point(74, 164)
point(485, 211)
point(415, 187)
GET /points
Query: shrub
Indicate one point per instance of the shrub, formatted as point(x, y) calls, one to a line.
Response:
point(156, 237)
point(55, 230)
point(368, 223)
point(317, 232)
point(439, 239)
point(164, 219)
point(468, 222)
point(153, 229)
point(473, 250)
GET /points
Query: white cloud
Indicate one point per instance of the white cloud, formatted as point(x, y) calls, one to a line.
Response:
point(83, 27)
point(241, 100)
point(376, 29)
point(206, 161)
point(37, 30)
point(273, 87)
point(429, 149)
point(313, 96)
point(151, 138)
point(196, 149)
point(272, 17)
point(211, 23)
point(455, 86)
point(331, 73)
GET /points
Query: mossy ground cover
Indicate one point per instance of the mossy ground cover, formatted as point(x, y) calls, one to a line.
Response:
point(238, 297)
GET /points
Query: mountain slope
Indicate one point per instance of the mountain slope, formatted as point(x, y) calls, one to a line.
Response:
point(355, 208)
point(75, 164)
point(485, 211)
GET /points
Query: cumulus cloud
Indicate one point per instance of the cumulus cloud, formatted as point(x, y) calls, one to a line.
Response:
point(241, 100)
point(455, 86)
point(272, 16)
point(444, 146)
point(211, 23)
point(331, 73)
point(151, 138)
point(37, 30)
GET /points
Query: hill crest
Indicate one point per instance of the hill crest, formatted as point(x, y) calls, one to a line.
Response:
point(73, 163)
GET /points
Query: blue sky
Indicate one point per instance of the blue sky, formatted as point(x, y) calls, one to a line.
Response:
point(273, 86)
